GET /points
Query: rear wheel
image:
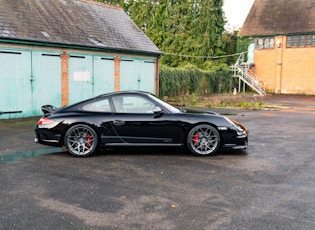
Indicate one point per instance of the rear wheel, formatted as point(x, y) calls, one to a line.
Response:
point(203, 140)
point(81, 140)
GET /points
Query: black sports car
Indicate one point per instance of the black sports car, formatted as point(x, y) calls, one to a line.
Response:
point(134, 118)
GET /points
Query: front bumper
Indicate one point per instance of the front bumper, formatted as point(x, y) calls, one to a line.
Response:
point(236, 137)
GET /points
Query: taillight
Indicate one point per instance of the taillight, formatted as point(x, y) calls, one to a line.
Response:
point(44, 121)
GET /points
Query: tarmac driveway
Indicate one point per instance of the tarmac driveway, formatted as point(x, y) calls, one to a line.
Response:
point(271, 186)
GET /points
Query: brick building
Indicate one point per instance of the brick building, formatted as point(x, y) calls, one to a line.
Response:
point(59, 52)
point(284, 52)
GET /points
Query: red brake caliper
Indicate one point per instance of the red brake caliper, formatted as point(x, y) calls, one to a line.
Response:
point(196, 138)
point(88, 138)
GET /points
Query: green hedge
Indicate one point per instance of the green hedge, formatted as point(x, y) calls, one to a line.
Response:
point(181, 81)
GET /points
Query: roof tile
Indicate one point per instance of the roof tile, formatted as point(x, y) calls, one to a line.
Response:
point(72, 22)
point(279, 17)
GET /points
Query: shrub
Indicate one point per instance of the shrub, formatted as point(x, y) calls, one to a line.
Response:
point(190, 80)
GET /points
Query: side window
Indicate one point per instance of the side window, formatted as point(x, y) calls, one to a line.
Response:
point(132, 104)
point(119, 104)
point(98, 106)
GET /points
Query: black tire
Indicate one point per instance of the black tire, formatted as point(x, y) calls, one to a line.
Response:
point(203, 140)
point(81, 140)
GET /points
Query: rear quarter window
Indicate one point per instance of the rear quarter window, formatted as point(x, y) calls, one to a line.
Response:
point(98, 106)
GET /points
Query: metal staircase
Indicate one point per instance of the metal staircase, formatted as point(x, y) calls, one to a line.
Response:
point(241, 70)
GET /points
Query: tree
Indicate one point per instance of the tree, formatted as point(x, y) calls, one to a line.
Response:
point(186, 27)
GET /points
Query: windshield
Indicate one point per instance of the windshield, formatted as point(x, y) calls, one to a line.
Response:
point(167, 106)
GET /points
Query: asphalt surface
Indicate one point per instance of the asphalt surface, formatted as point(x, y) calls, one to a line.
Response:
point(270, 186)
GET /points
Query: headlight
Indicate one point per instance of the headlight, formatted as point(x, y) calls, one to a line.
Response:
point(241, 133)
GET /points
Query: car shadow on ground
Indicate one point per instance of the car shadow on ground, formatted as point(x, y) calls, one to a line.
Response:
point(163, 151)
point(62, 153)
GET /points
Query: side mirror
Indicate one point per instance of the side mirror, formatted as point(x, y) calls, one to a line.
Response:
point(158, 112)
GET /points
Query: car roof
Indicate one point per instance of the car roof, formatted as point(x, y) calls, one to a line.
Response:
point(123, 92)
point(69, 107)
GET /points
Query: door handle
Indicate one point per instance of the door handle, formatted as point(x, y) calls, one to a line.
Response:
point(118, 122)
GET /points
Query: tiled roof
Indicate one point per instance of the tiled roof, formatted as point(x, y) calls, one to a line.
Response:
point(279, 17)
point(81, 23)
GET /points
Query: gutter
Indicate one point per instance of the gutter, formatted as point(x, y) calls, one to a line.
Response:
point(92, 48)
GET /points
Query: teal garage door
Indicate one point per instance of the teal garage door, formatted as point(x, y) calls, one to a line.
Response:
point(28, 80)
point(15, 87)
point(80, 77)
point(90, 76)
point(137, 74)
point(46, 80)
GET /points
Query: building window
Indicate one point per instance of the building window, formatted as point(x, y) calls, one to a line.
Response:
point(265, 43)
point(259, 43)
point(308, 40)
point(294, 41)
point(300, 41)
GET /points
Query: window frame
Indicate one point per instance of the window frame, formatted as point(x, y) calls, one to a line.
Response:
point(128, 104)
point(95, 103)
point(265, 43)
point(300, 41)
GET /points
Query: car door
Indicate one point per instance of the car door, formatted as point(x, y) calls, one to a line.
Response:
point(100, 112)
point(138, 120)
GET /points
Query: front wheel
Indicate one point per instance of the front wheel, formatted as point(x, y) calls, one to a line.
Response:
point(203, 140)
point(81, 140)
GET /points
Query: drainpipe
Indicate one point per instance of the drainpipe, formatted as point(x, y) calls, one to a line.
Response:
point(157, 77)
point(279, 44)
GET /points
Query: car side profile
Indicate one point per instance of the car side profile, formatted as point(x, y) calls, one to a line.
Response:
point(135, 118)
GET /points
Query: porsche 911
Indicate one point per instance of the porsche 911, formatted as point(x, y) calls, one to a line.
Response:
point(135, 118)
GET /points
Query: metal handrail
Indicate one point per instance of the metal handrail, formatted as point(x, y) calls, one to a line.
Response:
point(241, 69)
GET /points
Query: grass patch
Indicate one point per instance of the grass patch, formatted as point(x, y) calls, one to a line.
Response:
point(218, 101)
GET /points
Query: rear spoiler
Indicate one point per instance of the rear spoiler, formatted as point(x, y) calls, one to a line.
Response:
point(48, 108)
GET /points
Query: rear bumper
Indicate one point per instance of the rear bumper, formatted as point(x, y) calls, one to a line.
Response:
point(46, 137)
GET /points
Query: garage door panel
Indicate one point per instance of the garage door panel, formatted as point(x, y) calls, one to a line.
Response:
point(137, 74)
point(80, 78)
point(15, 91)
point(147, 76)
point(103, 75)
point(128, 75)
point(46, 84)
